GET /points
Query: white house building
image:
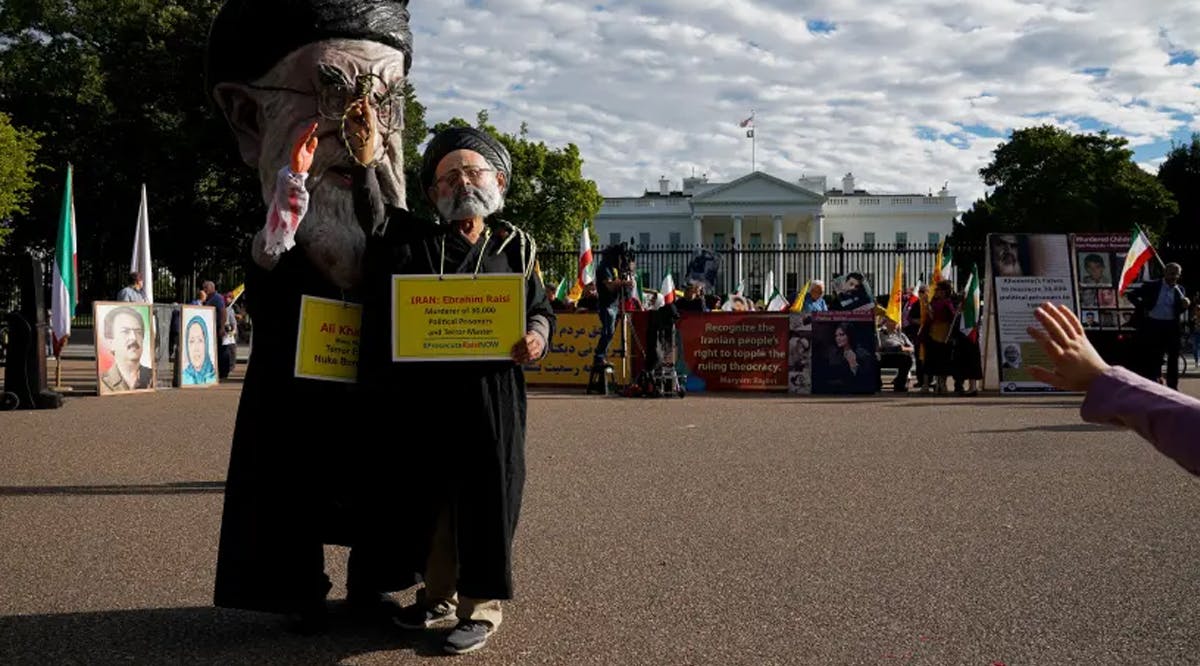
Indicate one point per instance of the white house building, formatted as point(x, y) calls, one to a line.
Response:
point(760, 210)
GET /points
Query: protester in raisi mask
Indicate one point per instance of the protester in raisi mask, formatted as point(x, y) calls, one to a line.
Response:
point(311, 90)
point(474, 469)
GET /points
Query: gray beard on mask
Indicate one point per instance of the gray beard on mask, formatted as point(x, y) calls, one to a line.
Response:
point(331, 236)
point(469, 201)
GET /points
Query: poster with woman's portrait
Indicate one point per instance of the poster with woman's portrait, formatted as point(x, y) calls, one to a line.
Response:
point(843, 353)
point(124, 347)
point(198, 346)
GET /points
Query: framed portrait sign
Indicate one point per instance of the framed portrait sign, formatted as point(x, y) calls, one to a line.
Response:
point(124, 348)
point(197, 352)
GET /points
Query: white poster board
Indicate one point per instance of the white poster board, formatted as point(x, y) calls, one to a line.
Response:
point(1025, 270)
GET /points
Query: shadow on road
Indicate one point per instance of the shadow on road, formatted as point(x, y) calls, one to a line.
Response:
point(181, 488)
point(199, 636)
point(1071, 427)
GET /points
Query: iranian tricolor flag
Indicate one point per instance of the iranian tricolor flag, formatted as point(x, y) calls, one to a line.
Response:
point(65, 294)
point(586, 273)
point(969, 319)
point(668, 289)
point(560, 294)
point(1140, 251)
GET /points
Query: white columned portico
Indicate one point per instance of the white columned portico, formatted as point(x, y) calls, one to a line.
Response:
point(737, 255)
point(697, 235)
point(777, 234)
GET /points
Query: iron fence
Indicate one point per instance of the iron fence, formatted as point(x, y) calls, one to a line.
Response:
point(792, 266)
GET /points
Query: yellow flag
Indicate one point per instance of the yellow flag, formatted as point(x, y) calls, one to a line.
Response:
point(798, 304)
point(937, 266)
point(893, 306)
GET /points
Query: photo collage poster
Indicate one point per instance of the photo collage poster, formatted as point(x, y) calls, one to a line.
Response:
point(1025, 271)
point(1098, 262)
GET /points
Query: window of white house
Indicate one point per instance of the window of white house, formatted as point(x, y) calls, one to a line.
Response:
point(614, 239)
point(869, 240)
point(934, 237)
point(901, 239)
point(643, 239)
point(718, 240)
point(792, 240)
point(755, 240)
point(675, 240)
point(838, 238)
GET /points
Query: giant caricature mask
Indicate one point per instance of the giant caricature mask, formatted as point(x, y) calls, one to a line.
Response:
point(319, 61)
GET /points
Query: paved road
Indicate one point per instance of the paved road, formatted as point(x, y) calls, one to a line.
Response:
point(709, 530)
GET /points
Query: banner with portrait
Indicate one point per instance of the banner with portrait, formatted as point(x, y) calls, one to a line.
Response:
point(1025, 270)
point(197, 353)
point(800, 353)
point(124, 345)
point(843, 352)
point(1098, 260)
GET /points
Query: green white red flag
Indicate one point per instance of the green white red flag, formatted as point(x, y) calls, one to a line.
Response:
point(968, 321)
point(1140, 251)
point(65, 291)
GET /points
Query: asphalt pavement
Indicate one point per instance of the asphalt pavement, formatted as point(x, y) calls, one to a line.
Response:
point(714, 529)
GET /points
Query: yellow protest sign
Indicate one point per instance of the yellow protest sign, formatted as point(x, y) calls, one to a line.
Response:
point(457, 317)
point(569, 361)
point(327, 339)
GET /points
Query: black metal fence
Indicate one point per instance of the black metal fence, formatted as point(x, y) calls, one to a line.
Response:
point(792, 266)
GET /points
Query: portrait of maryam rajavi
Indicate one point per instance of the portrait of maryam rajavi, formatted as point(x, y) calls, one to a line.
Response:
point(197, 346)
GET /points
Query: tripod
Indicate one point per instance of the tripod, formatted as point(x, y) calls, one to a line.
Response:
point(599, 380)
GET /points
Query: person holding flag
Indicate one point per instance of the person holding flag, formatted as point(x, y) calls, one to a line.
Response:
point(1158, 306)
point(968, 360)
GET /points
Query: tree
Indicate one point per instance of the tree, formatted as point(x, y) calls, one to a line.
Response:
point(1180, 175)
point(18, 149)
point(116, 88)
point(1049, 180)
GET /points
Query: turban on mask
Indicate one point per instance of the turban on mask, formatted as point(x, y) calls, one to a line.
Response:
point(464, 138)
point(248, 37)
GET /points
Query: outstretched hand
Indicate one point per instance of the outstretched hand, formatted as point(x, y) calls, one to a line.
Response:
point(303, 151)
point(1076, 361)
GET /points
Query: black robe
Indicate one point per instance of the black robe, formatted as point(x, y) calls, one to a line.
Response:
point(301, 472)
point(474, 457)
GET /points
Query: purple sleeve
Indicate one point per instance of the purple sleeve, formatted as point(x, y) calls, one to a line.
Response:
point(1168, 419)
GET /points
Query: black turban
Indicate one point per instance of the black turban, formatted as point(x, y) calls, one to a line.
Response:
point(464, 138)
point(248, 37)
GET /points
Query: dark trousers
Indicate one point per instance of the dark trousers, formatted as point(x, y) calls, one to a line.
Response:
point(1155, 339)
point(226, 358)
point(902, 362)
point(608, 320)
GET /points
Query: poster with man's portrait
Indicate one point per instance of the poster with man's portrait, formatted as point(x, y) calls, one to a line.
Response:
point(851, 292)
point(198, 346)
point(124, 347)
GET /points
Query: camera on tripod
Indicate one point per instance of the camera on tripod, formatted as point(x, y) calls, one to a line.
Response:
point(621, 259)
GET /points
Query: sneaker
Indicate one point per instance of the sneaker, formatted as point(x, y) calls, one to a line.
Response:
point(468, 636)
point(423, 616)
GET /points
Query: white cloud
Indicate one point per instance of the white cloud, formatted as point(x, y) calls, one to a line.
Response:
point(885, 93)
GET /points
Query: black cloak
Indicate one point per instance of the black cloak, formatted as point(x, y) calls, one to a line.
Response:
point(301, 473)
point(476, 410)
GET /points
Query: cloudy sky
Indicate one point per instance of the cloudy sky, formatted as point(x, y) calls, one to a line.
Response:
point(906, 94)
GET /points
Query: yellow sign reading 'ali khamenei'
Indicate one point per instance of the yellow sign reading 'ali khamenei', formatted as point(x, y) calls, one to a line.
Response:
point(327, 342)
point(457, 317)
